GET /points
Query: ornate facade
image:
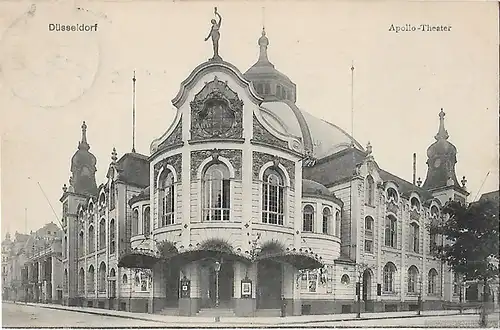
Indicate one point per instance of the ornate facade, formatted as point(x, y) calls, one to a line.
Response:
point(32, 266)
point(248, 203)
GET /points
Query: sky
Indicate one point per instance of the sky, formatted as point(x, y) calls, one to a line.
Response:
point(52, 81)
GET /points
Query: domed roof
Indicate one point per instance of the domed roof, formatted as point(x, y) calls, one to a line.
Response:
point(83, 167)
point(82, 156)
point(310, 187)
point(263, 65)
point(317, 135)
point(442, 146)
point(269, 82)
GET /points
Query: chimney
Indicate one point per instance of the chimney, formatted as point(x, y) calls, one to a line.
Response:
point(414, 167)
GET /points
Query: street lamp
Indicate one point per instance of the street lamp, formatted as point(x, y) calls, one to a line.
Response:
point(217, 270)
point(420, 295)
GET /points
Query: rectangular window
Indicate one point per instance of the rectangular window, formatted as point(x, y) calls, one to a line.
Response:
point(368, 246)
point(303, 283)
point(415, 240)
point(390, 233)
point(309, 281)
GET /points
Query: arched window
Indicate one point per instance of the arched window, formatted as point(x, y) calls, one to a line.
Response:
point(124, 279)
point(102, 234)
point(412, 279)
point(370, 190)
point(65, 283)
point(389, 274)
point(414, 237)
point(307, 218)
point(327, 218)
point(112, 199)
point(91, 279)
point(146, 221)
point(112, 236)
point(432, 279)
point(102, 199)
point(433, 236)
point(392, 194)
point(81, 244)
point(390, 231)
point(216, 193)
point(81, 281)
point(415, 204)
point(369, 225)
point(91, 209)
point(345, 279)
point(135, 222)
point(91, 246)
point(338, 224)
point(434, 211)
point(81, 216)
point(166, 186)
point(273, 195)
point(102, 277)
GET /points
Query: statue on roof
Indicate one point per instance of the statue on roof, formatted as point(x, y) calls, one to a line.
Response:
point(214, 33)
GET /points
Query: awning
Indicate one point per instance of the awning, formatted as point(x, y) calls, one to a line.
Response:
point(186, 257)
point(297, 259)
point(138, 259)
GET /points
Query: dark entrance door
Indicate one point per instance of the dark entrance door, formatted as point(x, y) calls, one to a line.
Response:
point(269, 279)
point(172, 279)
point(367, 290)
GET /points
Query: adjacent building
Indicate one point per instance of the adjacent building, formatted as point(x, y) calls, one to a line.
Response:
point(32, 265)
point(247, 203)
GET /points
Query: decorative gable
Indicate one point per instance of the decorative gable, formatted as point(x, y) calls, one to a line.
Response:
point(216, 113)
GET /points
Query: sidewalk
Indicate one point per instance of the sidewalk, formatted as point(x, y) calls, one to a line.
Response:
point(244, 321)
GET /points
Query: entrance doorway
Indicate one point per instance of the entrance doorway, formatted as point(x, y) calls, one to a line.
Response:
point(209, 284)
point(367, 290)
point(269, 282)
point(172, 280)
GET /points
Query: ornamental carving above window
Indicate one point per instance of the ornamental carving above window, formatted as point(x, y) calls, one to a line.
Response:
point(216, 112)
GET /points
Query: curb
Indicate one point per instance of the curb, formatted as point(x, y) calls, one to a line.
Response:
point(91, 312)
point(380, 318)
point(226, 321)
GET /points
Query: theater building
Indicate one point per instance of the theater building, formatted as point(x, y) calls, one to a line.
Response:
point(247, 204)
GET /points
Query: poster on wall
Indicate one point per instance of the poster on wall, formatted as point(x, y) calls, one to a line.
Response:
point(246, 289)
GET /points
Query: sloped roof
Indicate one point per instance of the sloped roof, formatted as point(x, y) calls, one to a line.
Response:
point(143, 195)
point(493, 196)
point(340, 167)
point(335, 168)
point(405, 186)
point(133, 169)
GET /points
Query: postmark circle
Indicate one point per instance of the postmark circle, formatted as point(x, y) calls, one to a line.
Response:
point(49, 68)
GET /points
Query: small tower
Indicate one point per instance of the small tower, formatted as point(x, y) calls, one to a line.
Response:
point(441, 178)
point(269, 83)
point(82, 187)
point(83, 167)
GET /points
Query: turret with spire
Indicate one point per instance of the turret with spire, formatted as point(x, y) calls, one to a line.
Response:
point(268, 82)
point(83, 167)
point(441, 160)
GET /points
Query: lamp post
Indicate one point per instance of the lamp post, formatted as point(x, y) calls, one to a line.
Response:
point(420, 295)
point(461, 296)
point(217, 270)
